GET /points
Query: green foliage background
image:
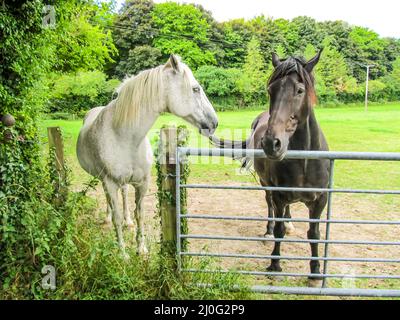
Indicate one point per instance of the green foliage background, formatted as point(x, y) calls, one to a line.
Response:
point(142, 34)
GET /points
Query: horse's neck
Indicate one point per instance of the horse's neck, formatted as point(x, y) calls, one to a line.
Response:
point(139, 130)
point(307, 135)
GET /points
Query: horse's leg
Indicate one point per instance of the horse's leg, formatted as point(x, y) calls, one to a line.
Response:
point(127, 215)
point(315, 209)
point(270, 224)
point(140, 192)
point(289, 225)
point(279, 232)
point(111, 190)
point(108, 219)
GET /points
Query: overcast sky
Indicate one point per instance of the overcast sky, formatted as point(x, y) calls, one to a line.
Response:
point(382, 16)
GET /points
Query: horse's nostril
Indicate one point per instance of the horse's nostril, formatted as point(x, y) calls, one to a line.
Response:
point(277, 145)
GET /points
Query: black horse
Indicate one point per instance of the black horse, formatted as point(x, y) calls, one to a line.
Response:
point(290, 124)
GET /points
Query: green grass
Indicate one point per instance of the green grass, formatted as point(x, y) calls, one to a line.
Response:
point(346, 129)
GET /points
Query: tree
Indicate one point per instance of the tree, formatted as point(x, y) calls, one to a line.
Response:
point(392, 81)
point(218, 82)
point(183, 30)
point(31, 223)
point(308, 31)
point(139, 58)
point(290, 35)
point(26, 57)
point(81, 39)
point(269, 34)
point(134, 31)
point(331, 73)
point(76, 93)
point(368, 49)
point(236, 36)
point(216, 35)
point(254, 74)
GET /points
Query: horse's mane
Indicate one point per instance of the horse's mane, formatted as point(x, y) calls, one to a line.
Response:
point(295, 64)
point(141, 92)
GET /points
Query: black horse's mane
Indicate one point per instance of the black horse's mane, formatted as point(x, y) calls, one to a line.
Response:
point(295, 64)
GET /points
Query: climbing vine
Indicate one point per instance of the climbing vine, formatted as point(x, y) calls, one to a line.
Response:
point(166, 196)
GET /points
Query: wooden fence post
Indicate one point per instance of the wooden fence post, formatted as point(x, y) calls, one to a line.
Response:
point(170, 138)
point(56, 149)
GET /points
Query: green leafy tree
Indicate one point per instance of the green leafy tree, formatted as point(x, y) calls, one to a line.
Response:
point(31, 223)
point(139, 58)
point(76, 93)
point(134, 31)
point(236, 36)
point(392, 81)
point(81, 39)
point(269, 35)
point(26, 55)
point(368, 49)
point(308, 31)
point(218, 82)
point(290, 34)
point(331, 73)
point(254, 74)
point(216, 36)
point(183, 30)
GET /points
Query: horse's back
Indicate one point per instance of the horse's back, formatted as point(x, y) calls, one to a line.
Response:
point(85, 148)
point(104, 151)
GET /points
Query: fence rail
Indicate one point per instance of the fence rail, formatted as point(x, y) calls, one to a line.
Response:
point(321, 155)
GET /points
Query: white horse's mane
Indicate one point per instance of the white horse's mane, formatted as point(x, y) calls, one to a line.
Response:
point(141, 92)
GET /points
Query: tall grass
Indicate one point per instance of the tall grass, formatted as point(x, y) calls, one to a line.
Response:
point(89, 266)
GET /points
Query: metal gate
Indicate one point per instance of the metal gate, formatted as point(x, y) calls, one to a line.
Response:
point(182, 152)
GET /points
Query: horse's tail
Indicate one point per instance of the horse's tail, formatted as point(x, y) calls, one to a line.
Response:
point(233, 144)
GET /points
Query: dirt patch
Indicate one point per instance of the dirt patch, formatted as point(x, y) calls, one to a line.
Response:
point(252, 203)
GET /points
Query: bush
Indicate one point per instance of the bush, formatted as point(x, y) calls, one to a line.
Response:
point(220, 85)
point(218, 82)
point(76, 93)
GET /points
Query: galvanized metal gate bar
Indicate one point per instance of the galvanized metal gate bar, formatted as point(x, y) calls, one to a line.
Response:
point(332, 156)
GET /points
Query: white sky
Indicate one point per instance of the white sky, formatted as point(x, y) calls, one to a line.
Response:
point(382, 16)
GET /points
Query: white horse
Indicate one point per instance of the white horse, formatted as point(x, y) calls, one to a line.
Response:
point(112, 144)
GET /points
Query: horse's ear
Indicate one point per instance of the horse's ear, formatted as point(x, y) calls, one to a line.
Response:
point(313, 62)
point(173, 62)
point(275, 60)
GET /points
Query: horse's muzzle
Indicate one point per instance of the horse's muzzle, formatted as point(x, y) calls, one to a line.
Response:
point(273, 148)
point(208, 129)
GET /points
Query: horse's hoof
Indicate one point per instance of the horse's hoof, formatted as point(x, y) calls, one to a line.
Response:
point(276, 277)
point(290, 229)
point(314, 283)
point(272, 268)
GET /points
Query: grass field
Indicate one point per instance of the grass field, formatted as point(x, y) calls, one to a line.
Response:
point(346, 129)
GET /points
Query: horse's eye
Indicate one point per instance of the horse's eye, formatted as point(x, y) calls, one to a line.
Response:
point(300, 91)
point(196, 89)
point(292, 117)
